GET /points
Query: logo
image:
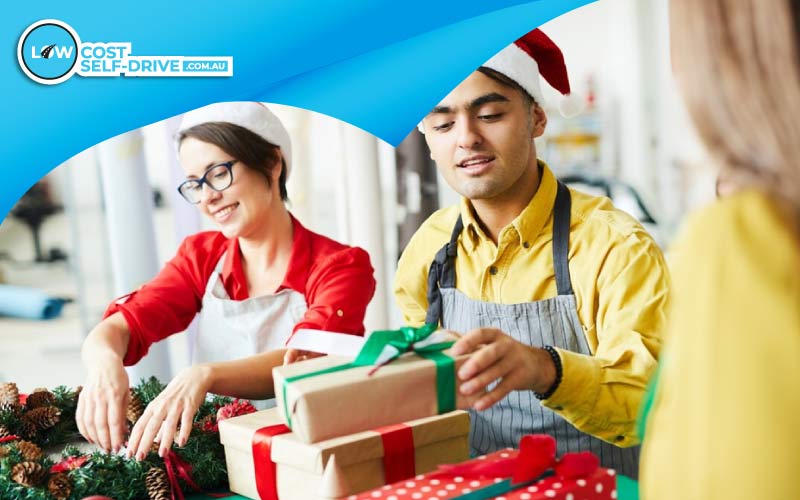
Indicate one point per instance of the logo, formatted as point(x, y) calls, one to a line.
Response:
point(50, 51)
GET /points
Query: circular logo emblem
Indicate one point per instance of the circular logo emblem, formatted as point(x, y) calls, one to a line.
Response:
point(48, 51)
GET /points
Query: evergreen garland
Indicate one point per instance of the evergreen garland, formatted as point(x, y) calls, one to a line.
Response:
point(100, 473)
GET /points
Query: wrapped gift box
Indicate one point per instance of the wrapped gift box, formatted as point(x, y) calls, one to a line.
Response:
point(492, 476)
point(408, 388)
point(342, 466)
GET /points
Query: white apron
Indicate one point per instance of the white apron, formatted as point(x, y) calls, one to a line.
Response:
point(235, 329)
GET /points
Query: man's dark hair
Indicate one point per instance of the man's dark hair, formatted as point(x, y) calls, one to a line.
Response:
point(244, 145)
point(508, 82)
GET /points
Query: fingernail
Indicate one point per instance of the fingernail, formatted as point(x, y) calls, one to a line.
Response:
point(466, 389)
point(464, 373)
point(139, 457)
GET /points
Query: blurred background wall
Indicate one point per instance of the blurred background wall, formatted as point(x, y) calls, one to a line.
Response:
point(104, 221)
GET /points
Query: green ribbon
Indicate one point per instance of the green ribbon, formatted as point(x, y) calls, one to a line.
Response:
point(383, 347)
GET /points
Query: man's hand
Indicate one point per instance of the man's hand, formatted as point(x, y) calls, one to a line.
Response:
point(496, 356)
point(175, 406)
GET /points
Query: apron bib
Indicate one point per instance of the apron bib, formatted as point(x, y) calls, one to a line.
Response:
point(235, 329)
point(552, 322)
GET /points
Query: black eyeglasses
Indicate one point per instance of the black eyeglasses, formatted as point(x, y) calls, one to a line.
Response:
point(218, 177)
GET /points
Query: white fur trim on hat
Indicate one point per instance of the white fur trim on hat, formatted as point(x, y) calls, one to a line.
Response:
point(254, 116)
point(516, 64)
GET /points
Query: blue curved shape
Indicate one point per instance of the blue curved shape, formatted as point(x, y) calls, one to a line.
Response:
point(377, 64)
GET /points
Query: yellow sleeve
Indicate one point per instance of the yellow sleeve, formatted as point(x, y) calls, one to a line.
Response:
point(600, 394)
point(724, 418)
point(411, 280)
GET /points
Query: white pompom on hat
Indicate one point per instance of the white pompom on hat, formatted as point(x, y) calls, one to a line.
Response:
point(254, 116)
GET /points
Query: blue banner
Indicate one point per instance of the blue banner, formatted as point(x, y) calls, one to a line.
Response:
point(77, 73)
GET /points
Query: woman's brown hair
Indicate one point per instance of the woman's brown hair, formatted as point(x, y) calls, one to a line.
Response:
point(243, 144)
point(736, 62)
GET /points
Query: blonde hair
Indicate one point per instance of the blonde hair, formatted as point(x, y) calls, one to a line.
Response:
point(738, 65)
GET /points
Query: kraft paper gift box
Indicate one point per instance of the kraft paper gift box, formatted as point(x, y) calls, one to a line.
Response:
point(370, 391)
point(338, 467)
point(525, 474)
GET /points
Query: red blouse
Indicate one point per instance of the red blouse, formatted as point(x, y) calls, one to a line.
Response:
point(336, 280)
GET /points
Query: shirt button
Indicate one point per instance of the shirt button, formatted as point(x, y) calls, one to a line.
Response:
point(492, 270)
point(526, 244)
point(339, 313)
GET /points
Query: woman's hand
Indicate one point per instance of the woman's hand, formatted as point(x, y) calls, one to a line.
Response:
point(294, 355)
point(102, 404)
point(169, 416)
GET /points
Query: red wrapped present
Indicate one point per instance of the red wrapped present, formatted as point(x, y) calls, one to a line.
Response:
point(530, 473)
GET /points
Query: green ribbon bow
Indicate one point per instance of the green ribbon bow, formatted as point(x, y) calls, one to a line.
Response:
point(384, 346)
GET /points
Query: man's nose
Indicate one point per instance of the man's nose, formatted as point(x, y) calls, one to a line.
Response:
point(468, 134)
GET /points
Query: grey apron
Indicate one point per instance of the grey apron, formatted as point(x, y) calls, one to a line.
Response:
point(544, 322)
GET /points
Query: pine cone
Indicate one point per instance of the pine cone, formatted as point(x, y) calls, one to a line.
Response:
point(157, 484)
point(4, 451)
point(27, 429)
point(28, 474)
point(44, 417)
point(39, 398)
point(4, 432)
point(29, 451)
point(59, 486)
point(135, 408)
point(9, 396)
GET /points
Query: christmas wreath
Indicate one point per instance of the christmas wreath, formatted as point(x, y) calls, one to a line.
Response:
point(46, 419)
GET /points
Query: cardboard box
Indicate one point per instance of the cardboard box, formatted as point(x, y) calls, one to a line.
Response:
point(337, 467)
point(401, 391)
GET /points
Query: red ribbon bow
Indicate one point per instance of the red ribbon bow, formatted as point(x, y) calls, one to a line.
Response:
point(537, 454)
point(8, 439)
point(69, 463)
point(178, 467)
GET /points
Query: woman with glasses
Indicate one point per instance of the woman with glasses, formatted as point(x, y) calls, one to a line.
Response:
point(724, 420)
point(254, 282)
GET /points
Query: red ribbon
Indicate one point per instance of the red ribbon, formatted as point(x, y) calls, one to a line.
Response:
point(537, 454)
point(266, 476)
point(178, 467)
point(398, 452)
point(8, 439)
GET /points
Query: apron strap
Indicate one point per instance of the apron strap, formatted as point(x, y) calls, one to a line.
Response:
point(561, 221)
point(442, 273)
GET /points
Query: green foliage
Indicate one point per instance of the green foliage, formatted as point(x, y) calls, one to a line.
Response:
point(108, 474)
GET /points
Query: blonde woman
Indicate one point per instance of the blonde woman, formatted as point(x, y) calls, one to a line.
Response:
point(724, 418)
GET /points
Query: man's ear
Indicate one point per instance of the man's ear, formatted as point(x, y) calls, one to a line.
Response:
point(538, 121)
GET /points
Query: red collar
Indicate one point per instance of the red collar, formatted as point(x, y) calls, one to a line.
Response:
point(296, 272)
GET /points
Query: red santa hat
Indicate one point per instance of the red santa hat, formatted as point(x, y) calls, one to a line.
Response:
point(532, 55)
point(524, 60)
point(254, 116)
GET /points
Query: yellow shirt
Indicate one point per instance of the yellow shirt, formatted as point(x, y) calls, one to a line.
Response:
point(724, 419)
point(620, 282)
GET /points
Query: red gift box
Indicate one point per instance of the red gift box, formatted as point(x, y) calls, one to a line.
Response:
point(531, 473)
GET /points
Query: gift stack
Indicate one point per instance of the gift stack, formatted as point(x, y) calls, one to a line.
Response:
point(345, 425)
point(378, 424)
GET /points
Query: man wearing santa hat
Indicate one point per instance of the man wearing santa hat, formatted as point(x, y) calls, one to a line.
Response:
point(559, 295)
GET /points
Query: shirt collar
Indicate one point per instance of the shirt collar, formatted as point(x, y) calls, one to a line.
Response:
point(528, 224)
point(296, 272)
